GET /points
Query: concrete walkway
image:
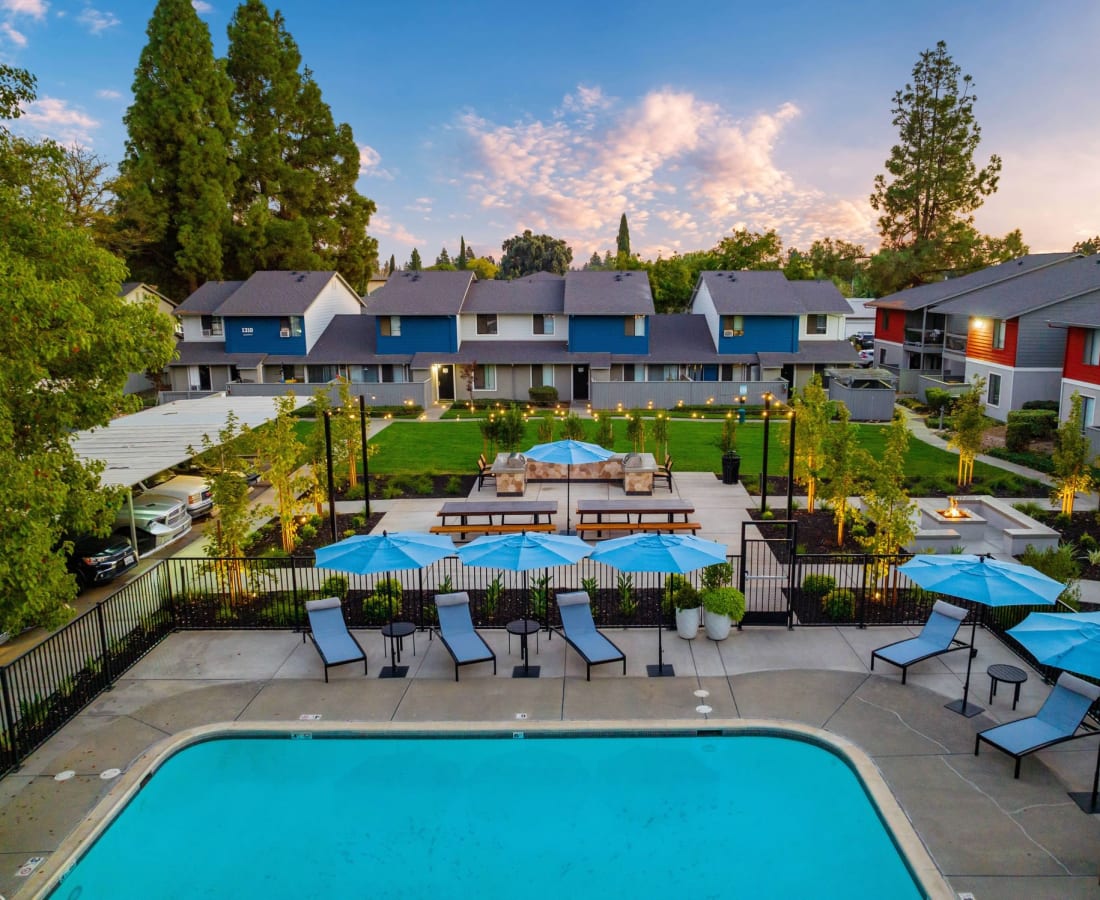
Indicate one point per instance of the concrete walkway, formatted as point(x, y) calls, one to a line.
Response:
point(988, 834)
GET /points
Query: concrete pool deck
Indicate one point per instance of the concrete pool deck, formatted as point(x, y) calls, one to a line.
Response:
point(988, 834)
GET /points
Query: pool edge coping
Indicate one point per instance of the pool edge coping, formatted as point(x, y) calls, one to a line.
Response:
point(901, 829)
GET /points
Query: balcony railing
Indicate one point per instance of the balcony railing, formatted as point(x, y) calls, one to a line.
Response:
point(955, 342)
point(929, 339)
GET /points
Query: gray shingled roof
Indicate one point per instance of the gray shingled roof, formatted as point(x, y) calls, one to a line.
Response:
point(677, 338)
point(421, 294)
point(752, 293)
point(1080, 318)
point(820, 297)
point(347, 339)
point(815, 352)
point(277, 294)
point(212, 353)
point(1039, 289)
point(512, 352)
point(541, 293)
point(608, 294)
point(208, 298)
point(931, 294)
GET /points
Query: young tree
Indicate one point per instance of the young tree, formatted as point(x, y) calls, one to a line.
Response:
point(1073, 457)
point(177, 177)
point(622, 242)
point(528, 253)
point(813, 413)
point(347, 436)
point(65, 353)
point(886, 502)
point(970, 424)
point(414, 264)
point(279, 452)
point(847, 464)
point(931, 188)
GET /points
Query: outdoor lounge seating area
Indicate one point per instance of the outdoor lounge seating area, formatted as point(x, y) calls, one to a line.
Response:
point(937, 637)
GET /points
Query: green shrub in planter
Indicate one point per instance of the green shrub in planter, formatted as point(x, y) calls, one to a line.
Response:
point(673, 583)
point(818, 585)
point(686, 597)
point(724, 601)
point(718, 575)
point(839, 603)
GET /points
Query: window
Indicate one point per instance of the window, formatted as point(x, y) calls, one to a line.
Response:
point(290, 326)
point(485, 378)
point(1088, 412)
point(993, 395)
point(390, 326)
point(633, 372)
point(817, 324)
point(634, 326)
point(542, 324)
point(486, 323)
point(1092, 347)
point(998, 334)
point(212, 325)
point(885, 319)
point(542, 376)
point(733, 326)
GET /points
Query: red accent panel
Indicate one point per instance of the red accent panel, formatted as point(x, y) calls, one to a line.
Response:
point(894, 330)
point(1075, 352)
point(979, 341)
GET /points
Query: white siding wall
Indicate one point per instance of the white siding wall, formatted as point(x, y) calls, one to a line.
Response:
point(335, 299)
point(192, 330)
point(834, 329)
point(517, 327)
point(704, 305)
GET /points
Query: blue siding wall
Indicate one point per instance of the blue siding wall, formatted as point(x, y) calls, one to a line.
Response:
point(776, 334)
point(604, 334)
point(260, 334)
point(419, 333)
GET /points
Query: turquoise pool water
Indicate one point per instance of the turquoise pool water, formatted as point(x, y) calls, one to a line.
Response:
point(754, 816)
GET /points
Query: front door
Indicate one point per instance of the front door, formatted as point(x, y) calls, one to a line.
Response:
point(580, 382)
point(204, 378)
point(446, 382)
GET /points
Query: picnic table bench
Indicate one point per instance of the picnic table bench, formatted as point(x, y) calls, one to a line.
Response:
point(627, 516)
point(526, 515)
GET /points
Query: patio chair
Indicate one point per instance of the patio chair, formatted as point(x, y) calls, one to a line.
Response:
point(329, 633)
point(937, 636)
point(1057, 720)
point(484, 471)
point(664, 473)
point(581, 634)
point(456, 630)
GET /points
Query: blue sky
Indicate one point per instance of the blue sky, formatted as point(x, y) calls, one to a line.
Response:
point(693, 118)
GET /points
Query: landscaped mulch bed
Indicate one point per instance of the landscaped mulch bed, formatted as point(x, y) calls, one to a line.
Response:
point(814, 532)
point(1082, 529)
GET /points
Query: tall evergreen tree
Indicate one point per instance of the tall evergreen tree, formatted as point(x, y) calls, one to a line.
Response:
point(295, 205)
point(460, 260)
point(444, 259)
point(393, 265)
point(176, 176)
point(415, 265)
point(622, 243)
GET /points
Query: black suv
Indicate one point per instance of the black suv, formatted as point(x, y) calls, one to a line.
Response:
point(97, 560)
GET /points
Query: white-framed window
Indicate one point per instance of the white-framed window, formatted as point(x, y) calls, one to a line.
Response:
point(542, 324)
point(1088, 412)
point(1091, 355)
point(212, 326)
point(634, 326)
point(390, 326)
point(485, 378)
point(817, 323)
point(542, 376)
point(998, 334)
point(486, 323)
point(733, 326)
point(993, 392)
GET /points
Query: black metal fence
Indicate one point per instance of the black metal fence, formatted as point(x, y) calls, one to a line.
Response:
point(48, 685)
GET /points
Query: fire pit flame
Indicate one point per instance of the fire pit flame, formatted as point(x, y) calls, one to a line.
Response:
point(953, 511)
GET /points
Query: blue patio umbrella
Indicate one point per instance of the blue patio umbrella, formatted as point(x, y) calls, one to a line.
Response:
point(366, 554)
point(670, 553)
point(1069, 641)
point(568, 453)
point(521, 552)
point(983, 580)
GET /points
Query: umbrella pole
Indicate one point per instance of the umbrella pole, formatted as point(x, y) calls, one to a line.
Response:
point(568, 485)
point(520, 627)
point(393, 670)
point(961, 706)
point(1087, 802)
point(660, 669)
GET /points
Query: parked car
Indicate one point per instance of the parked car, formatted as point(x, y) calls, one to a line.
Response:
point(97, 560)
point(159, 520)
point(864, 340)
point(866, 358)
point(192, 490)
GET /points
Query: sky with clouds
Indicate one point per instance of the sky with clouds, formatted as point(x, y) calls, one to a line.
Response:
point(693, 118)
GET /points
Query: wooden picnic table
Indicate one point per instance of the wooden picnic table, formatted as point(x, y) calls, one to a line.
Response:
point(527, 515)
point(607, 515)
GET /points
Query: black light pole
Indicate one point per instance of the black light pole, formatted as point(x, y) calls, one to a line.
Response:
point(790, 469)
point(363, 435)
point(764, 470)
point(331, 484)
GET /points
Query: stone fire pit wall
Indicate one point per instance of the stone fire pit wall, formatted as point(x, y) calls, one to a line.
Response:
point(634, 470)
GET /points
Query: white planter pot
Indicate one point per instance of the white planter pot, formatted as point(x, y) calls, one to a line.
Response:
point(687, 623)
point(718, 626)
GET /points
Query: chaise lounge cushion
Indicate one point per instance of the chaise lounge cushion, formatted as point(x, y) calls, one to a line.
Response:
point(330, 632)
point(577, 624)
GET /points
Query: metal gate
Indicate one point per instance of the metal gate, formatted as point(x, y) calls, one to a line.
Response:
point(766, 571)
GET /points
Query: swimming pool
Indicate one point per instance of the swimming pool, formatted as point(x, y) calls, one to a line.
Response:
point(753, 813)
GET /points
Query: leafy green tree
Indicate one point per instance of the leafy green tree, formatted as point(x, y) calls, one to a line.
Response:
point(746, 249)
point(347, 434)
point(317, 452)
point(622, 242)
point(970, 424)
point(177, 176)
point(511, 426)
point(483, 267)
point(932, 186)
point(847, 464)
point(672, 280)
point(813, 413)
point(1089, 246)
point(414, 264)
point(1072, 457)
point(67, 347)
point(527, 253)
point(886, 503)
point(279, 452)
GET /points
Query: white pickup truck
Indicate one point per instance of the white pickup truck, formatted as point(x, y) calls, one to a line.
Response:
point(192, 490)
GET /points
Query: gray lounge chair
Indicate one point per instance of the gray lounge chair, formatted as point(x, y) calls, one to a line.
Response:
point(1057, 720)
point(330, 635)
point(937, 636)
point(456, 630)
point(581, 634)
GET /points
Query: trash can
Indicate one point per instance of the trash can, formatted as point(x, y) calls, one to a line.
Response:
point(731, 467)
point(741, 416)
